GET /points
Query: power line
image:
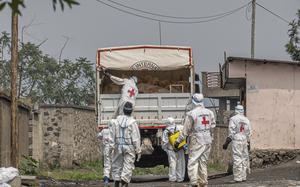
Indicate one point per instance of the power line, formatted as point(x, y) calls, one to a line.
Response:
point(176, 17)
point(273, 13)
point(169, 21)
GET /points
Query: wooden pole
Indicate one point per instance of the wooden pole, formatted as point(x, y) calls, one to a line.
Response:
point(14, 107)
point(253, 29)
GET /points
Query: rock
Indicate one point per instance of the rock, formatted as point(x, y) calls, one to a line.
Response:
point(49, 128)
point(257, 162)
point(281, 153)
point(56, 134)
point(259, 154)
point(46, 134)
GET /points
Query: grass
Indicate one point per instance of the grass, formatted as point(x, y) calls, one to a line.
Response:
point(93, 171)
point(86, 171)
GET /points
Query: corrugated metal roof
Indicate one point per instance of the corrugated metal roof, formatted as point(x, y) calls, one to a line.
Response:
point(230, 59)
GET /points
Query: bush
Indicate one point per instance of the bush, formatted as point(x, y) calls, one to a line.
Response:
point(28, 166)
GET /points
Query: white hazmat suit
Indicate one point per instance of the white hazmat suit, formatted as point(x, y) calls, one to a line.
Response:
point(176, 159)
point(106, 153)
point(129, 92)
point(126, 143)
point(198, 124)
point(239, 132)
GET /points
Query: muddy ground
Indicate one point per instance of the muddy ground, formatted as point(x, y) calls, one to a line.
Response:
point(286, 174)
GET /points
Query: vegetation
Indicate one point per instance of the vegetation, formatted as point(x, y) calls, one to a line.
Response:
point(44, 79)
point(293, 46)
point(28, 166)
point(16, 4)
point(93, 171)
point(86, 171)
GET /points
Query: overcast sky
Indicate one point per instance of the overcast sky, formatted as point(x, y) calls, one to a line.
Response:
point(93, 25)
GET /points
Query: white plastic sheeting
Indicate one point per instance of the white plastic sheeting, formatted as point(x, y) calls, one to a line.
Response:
point(145, 57)
point(6, 175)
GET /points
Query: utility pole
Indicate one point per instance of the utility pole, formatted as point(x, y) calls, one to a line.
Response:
point(253, 28)
point(159, 27)
point(14, 105)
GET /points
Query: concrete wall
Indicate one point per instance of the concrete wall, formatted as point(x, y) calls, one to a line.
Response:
point(66, 135)
point(273, 105)
point(272, 102)
point(218, 155)
point(5, 130)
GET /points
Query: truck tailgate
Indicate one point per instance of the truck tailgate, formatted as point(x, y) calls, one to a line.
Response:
point(151, 110)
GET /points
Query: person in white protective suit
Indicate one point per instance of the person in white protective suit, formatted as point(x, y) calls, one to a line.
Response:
point(198, 125)
point(176, 159)
point(103, 135)
point(239, 131)
point(125, 140)
point(129, 91)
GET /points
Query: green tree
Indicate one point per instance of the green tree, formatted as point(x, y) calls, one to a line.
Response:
point(4, 63)
point(45, 80)
point(16, 4)
point(293, 46)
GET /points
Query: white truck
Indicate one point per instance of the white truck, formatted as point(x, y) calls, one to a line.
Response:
point(166, 80)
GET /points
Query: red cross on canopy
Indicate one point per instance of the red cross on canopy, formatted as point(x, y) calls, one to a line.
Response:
point(131, 92)
point(204, 121)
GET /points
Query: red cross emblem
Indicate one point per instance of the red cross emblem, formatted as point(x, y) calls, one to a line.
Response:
point(131, 92)
point(204, 121)
point(242, 128)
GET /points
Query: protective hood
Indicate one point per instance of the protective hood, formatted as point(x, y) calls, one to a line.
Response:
point(239, 109)
point(170, 121)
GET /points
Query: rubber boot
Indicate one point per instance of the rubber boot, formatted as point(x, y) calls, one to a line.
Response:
point(117, 184)
point(106, 181)
point(124, 184)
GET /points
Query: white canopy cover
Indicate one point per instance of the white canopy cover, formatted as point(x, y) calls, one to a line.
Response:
point(148, 57)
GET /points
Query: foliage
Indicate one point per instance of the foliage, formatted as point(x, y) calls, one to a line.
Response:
point(28, 166)
point(86, 171)
point(4, 64)
point(15, 5)
point(93, 171)
point(293, 46)
point(44, 79)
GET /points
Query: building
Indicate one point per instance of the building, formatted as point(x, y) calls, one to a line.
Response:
point(270, 92)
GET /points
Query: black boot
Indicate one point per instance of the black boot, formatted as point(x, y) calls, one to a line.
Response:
point(117, 184)
point(124, 184)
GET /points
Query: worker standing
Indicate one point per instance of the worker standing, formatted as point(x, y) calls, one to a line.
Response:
point(103, 135)
point(129, 91)
point(198, 125)
point(239, 133)
point(125, 140)
point(176, 158)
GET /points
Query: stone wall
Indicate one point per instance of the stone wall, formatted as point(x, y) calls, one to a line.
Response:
point(264, 158)
point(68, 136)
point(5, 130)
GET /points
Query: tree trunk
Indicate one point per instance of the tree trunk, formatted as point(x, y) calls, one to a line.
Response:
point(14, 107)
